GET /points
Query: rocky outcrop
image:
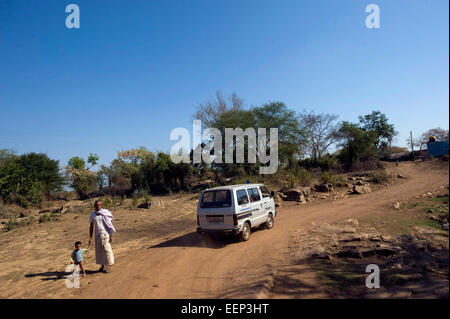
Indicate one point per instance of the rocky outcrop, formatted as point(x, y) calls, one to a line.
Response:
point(324, 188)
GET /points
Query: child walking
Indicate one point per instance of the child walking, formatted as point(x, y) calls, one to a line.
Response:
point(77, 256)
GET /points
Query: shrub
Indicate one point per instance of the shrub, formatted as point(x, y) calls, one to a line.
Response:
point(31, 220)
point(380, 177)
point(147, 199)
point(135, 202)
point(328, 177)
point(106, 202)
point(47, 217)
point(11, 223)
point(304, 177)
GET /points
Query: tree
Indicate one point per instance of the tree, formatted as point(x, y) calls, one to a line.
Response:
point(377, 122)
point(41, 169)
point(76, 163)
point(210, 112)
point(24, 178)
point(439, 133)
point(321, 130)
point(291, 138)
point(82, 180)
point(93, 159)
point(357, 144)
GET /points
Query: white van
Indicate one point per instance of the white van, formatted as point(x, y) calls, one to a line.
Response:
point(235, 209)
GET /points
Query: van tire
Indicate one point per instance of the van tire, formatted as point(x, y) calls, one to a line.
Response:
point(244, 235)
point(270, 221)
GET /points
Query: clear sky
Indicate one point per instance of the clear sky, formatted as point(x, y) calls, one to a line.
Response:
point(137, 69)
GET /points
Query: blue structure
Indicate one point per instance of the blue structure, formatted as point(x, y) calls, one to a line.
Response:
point(437, 149)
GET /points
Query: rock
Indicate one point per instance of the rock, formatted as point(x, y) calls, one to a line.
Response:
point(385, 250)
point(324, 188)
point(349, 253)
point(396, 205)
point(58, 210)
point(401, 176)
point(375, 237)
point(306, 191)
point(348, 230)
point(359, 183)
point(367, 252)
point(353, 237)
point(431, 210)
point(145, 205)
point(353, 221)
point(294, 195)
point(361, 189)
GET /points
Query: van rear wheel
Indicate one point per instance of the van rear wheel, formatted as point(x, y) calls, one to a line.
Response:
point(269, 223)
point(244, 235)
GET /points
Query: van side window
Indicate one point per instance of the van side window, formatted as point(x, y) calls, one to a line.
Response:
point(242, 197)
point(264, 191)
point(253, 194)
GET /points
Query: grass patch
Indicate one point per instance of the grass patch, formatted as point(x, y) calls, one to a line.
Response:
point(399, 225)
point(440, 200)
point(381, 177)
point(340, 278)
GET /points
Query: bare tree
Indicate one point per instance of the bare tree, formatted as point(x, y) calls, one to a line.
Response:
point(439, 133)
point(321, 130)
point(210, 111)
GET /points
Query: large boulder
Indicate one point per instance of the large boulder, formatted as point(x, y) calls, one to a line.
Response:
point(295, 195)
point(306, 191)
point(324, 188)
point(357, 189)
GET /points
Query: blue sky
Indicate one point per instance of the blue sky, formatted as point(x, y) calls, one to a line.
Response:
point(137, 69)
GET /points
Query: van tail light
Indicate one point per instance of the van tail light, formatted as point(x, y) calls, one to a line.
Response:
point(235, 220)
point(198, 221)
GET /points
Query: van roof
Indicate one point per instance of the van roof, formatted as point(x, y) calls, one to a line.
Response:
point(232, 187)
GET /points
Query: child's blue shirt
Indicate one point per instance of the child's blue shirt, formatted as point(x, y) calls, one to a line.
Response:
point(77, 255)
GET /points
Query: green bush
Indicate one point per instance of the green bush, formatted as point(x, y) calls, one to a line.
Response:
point(48, 217)
point(328, 177)
point(11, 223)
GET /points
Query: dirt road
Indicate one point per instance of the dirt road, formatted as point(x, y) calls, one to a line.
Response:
point(188, 266)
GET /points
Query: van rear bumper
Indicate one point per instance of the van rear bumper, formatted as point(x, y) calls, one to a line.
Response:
point(235, 230)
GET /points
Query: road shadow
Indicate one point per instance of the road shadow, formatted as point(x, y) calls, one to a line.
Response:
point(55, 275)
point(194, 239)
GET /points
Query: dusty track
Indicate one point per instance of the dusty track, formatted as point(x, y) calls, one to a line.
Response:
point(188, 266)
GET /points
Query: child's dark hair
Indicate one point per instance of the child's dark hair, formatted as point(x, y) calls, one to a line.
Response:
point(77, 243)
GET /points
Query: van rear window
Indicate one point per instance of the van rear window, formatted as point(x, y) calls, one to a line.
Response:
point(215, 199)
